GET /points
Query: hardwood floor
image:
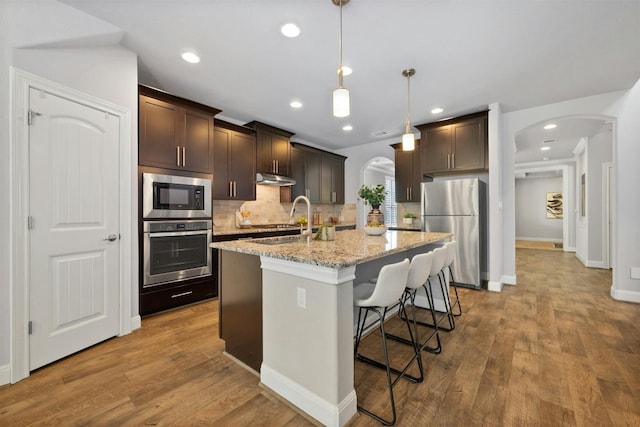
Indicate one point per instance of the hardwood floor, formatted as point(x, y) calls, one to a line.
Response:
point(553, 350)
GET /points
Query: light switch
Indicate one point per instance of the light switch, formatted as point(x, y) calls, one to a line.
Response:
point(635, 273)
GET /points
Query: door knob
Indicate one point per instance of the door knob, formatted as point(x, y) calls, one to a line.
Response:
point(111, 238)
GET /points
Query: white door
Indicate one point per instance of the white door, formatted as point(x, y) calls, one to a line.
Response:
point(74, 207)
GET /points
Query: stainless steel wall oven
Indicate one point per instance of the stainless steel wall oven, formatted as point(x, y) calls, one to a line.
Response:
point(175, 251)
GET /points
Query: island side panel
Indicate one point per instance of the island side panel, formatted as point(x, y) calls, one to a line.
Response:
point(308, 351)
point(241, 306)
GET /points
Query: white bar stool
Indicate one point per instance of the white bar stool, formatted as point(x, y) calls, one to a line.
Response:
point(419, 271)
point(439, 257)
point(448, 264)
point(378, 298)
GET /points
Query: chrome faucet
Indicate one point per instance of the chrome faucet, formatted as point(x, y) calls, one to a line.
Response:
point(293, 209)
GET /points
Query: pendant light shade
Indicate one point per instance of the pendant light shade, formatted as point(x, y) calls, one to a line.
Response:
point(341, 102)
point(408, 139)
point(341, 106)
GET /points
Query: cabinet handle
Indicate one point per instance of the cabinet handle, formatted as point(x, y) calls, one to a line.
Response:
point(277, 166)
point(184, 157)
point(235, 189)
point(448, 161)
point(183, 294)
point(453, 161)
point(410, 191)
point(273, 166)
point(230, 188)
point(178, 155)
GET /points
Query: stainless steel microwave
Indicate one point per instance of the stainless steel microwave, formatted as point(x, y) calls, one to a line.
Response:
point(173, 196)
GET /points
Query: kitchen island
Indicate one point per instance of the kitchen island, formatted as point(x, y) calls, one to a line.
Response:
point(307, 310)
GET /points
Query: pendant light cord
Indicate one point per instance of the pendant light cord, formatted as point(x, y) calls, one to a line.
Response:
point(408, 122)
point(340, 49)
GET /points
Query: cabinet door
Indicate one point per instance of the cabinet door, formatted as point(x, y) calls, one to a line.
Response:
point(221, 143)
point(338, 180)
point(280, 152)
point(436, 149)
point(469, 141)
point(242, 165)
point(198, 142)
point(313, 176)
point(264, 158)
point(298, 173)
point(403, 166)
point(160, 131)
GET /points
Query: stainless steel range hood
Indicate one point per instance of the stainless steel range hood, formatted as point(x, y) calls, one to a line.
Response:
point(277, 180)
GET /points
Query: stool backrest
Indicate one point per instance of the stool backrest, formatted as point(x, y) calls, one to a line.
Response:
point(439, 255)
point(392, 280)
point(451, 252)
point(419, 270)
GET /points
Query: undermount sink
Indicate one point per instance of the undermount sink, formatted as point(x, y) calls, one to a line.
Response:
point(281, 240)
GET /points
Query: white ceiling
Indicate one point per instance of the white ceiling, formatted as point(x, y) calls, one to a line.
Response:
point(467, 54)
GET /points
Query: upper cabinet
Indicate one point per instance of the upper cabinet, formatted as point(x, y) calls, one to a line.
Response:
point(174, 133)
point(234, 157)
point(408, 173)
point(456, 145)
point(319, 175)
point(273, 149)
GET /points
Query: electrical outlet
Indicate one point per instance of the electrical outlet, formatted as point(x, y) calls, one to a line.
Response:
point(635, 273)
point(302, 298)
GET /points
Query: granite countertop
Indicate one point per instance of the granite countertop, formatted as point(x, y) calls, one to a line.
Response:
point(350, 247)
point(226, 231)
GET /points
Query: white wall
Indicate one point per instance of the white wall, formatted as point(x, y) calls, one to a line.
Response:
point(530, 214)
point(105, 71)
point(624, 107)
point(599, 148)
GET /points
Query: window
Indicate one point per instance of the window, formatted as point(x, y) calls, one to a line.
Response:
point(390, 207)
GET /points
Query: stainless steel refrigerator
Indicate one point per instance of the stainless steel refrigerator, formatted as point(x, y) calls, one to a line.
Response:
point(459, 207)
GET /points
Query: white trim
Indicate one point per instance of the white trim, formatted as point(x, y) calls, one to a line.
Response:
point(570, 249)
point(607, 170)
point(540, 239)
point(21, 82)
point(590, 263)
point(494, 286)
point(629, 296)
point(508, 280)
point(5, 374)
point(331, 276)
point(327, 413)
point(136, 322)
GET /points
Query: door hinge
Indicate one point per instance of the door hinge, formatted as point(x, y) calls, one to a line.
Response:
point(29, 222)
point(30, 327)
point(31, 114)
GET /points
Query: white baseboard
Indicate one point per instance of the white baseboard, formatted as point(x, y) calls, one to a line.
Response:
point(494, 286)
point(325, 412)
point(570, 249)
point(136, 322)
point(591, 263)
point(5, 374)
point(628, 296)
point(508, 280)
point(540, 239)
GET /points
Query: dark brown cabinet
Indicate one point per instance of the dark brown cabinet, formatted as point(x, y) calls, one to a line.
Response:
point(408, 173)
point(273, 150)
point(174, 133)
point(319, 175)
point(234, 157)
point(454, 146)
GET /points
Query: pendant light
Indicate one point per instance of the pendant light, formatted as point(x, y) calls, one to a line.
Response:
point(408, 139)
point(341, 107)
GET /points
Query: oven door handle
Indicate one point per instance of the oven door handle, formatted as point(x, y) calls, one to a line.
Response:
point(179, 233)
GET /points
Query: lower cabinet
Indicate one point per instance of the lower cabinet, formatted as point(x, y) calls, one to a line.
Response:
point(176, 295)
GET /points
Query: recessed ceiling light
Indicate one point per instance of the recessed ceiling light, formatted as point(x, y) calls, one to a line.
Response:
point(545, 148)
point(550, 126)
point(191, 57)
point(347, 128)
point(437, 110)
point(290, 30)
point(545, 158)
point(346, 71)
point(295, 104)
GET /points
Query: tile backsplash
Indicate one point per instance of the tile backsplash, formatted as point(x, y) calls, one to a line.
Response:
point(268, 209)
